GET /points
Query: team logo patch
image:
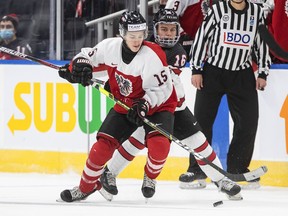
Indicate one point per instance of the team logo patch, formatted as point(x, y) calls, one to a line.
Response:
point(125, 85)
point(225, 18)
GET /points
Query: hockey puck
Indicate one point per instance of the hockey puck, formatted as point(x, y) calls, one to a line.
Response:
point(218, 203)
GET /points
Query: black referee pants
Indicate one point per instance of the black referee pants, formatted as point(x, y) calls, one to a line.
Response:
point(242, 98)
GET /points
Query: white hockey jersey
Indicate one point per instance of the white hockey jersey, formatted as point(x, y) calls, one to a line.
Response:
point(146, 76)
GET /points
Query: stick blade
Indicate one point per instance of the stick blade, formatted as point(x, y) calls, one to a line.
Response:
point(254, 174)
point(248, 176)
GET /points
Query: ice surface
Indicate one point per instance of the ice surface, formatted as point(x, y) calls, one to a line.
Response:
point(36, 194)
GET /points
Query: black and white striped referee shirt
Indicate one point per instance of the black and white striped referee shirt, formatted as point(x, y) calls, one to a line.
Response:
point(227, 37)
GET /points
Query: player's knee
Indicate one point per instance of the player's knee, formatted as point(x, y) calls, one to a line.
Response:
point(158, 147)
point(102, 151)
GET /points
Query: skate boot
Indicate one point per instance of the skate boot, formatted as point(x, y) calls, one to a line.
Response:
point(193, 180)
point(74, 194)
point(108, 181)
point(148, 187)
point(230, 188)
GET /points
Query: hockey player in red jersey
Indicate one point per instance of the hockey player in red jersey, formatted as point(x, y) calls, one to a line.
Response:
point(139, 77)
point(166, 34)
point(191, 14)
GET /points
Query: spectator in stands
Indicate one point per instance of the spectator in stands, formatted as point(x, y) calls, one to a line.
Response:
point(8, 37)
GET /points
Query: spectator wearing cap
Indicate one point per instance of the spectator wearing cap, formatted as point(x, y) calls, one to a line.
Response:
point(8, 37)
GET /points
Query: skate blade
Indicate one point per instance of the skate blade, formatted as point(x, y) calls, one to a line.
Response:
point(106, 195)
point(236, 197)
point(251, 186)
point(198, 184)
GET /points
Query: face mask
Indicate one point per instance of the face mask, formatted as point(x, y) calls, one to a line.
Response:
point(6, 34)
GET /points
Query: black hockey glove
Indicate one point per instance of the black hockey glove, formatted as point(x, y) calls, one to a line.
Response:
point(138, 111)
point(107, 86)
point(81, 71)
point(65, 73)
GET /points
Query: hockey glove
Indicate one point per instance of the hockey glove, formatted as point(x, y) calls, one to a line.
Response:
point(138, 111)
point(81, 71)
point(107, 86)
point(65, 73)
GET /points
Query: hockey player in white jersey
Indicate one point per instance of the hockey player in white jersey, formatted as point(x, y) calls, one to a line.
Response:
point(186, 128)
point(139, 77)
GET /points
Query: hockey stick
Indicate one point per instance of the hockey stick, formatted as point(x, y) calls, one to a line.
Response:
point(254, 174)
point(27, 57)
point(95, 83)
point(40, 61)
point(275, 48)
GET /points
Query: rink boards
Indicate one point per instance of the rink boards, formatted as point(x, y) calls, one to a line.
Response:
point(44, 124)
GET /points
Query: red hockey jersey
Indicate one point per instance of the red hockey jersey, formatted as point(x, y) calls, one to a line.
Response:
point(190, 12)
point(280, 23)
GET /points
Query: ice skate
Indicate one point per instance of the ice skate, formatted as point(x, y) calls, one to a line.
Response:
point(108, 181)
point(148, 187)
point(193, 180)
point(230, 188)
point(74, 194)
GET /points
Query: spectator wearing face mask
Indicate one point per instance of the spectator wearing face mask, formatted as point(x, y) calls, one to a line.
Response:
point(9, 39)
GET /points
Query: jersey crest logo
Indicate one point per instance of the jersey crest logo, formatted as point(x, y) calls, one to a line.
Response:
point(125, 85)
point(225, 18)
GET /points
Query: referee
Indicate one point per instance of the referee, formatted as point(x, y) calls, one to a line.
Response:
point(222, 64)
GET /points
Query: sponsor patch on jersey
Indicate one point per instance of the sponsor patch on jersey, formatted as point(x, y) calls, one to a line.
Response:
point(136, 27)
point(125, 85)
point(235, 38)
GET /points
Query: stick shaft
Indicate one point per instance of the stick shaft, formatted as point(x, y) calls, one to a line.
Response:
point(34, 59)
point(27, 57)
